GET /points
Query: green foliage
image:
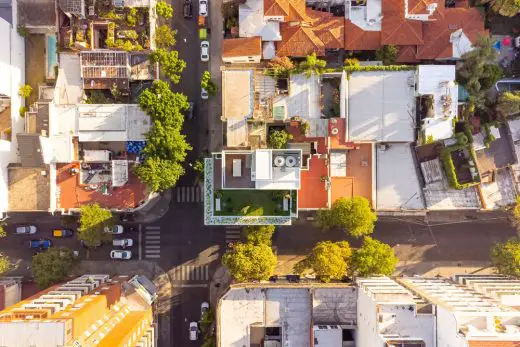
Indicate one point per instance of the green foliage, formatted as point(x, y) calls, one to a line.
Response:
point(22, 30)
point(312, 64)
point(329, 260)
point(132, 17)
point(279, 138)
point(92, 221)
point(353, 215)
point(428, 139)
point(507, 8)
point(52, 266)
point(515, 214)
point(170, 63)
point(5, 265)
point(373, 258)
point(3, 232)
point(279, 67)
point(164, 9)
point(165, 36)
point(489, 136)
point(129, 34)
point(304, 128)
point(350, 62)
point(22, 111)
point(198, 166)
point(209, 341)
point(207, 83)
point(461, 138)
point(509, 103)
point(506, 257)
point(262, 234)
point(249, 262)
point(112, 15)
point(159, 174)
point(25, 91)
point(387, 54)
point(468, 131)
point(379, 68)
point(97, 97)
point(449, 167)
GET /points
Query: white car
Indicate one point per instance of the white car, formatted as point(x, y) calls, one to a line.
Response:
point(204, 51)
point(194, 331)
point(123, 243)
point(115, 229)
point(203, 8)
point(120, 254)
point(204, 94)
point(204, 308)
point(26, 229)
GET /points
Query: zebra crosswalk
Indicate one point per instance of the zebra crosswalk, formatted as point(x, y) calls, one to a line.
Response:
point(190, 273)
point(152, 242)
point(194, 194)
point(233, 234)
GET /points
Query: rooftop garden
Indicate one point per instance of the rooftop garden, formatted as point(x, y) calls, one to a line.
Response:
point(459, 162)
point(252, 203)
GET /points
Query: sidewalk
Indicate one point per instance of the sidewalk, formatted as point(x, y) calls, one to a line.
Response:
point(154, 209)
point(215, 102)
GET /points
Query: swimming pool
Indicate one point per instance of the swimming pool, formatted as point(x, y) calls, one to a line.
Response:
point(52, 56)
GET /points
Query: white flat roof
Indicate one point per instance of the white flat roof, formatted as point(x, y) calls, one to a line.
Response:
point(263, 165)
point(251, 22)
point(381, 106)
point(69, 87)
point(397, 183)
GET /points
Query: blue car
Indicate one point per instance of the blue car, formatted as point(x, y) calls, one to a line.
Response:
point(41, 244)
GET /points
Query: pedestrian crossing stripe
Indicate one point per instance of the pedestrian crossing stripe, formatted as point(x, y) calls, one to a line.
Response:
point(191, 273)
point(152, 240)
point(191, 194)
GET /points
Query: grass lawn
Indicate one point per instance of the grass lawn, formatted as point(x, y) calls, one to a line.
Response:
point(251, 203)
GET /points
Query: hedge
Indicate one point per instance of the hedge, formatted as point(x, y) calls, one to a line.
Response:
point(449, 167)
point(468, 130)
point(379, 68)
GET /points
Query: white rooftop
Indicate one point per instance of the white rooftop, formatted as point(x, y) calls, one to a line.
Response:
point(251, 22)
point(269, 176)
point(381, 106)
point(69, 87)
point(368, 17)
point(397, 183)
point(439, 81)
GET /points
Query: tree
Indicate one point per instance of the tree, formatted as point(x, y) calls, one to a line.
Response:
point(5, 265)
point(165, 36)
point(329, 260)
point(170, 63)
point(52, 266)
point(351, 62)
point(509, 103)
point(249, 262)
point(92, 222)
point(506, 257)
point(207, 83)
point(259, 235)
point(353, 215)
point(163, 105)
point(279, 138)
point(25, 91)
point(507, 8)
point(312, 64)
point(373, 258)
point(164, 9)
point(159, 174)
point(387, 54)
point(165, 141)
point(3, 232)
point(280, 67)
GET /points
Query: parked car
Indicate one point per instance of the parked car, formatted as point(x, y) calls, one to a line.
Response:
point(120, 254)
point(65, 232)
point(115, 229)
point(41, 244)
point(203, 8)
point(204, 94)
point(26, 229)
point(189, 113)
point(188, 9)
point(204, 51)
point(204, 308)
point(194, 331)
point(123, 243)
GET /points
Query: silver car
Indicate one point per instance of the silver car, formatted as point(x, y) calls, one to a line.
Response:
point(26, 229)
point(204, 94)
point(120, 254)
point(204, 51)
point(203, 8)
point(123, 243)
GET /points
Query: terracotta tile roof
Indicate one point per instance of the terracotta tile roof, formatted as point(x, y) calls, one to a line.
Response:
point(291, 10)
point(322, 31)
point(421, 6)
point(407, 54)
point(358, 39)
point(312, 193)
point(396, 29)
point(243, 46)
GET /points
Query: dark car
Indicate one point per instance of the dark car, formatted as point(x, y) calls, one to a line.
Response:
point(41, 244)
point(188, 9)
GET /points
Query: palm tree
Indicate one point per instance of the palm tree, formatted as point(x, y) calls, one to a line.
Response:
point(507, 8)
point(312, 64)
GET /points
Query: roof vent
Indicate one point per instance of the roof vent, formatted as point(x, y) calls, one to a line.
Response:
point(431, 7)
point(279, 161)
point(290, 161)
point(334, 131)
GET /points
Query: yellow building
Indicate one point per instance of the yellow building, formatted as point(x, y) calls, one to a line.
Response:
point(91, 310)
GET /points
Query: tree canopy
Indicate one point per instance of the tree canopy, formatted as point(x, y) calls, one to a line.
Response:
point(279, 138)
point(373, 258)
point(507, 8)
point(5, 265)
point(164, 9)
point(165, 36)
point(92, 221)
point(166, 147)
point(509, 103)
point(261, 234)
point(387, 54)
point(249, 262)
point(329, 260)
point(170, 63)
point(207, 83)
point(353, 215)
point(506, 257)
point(312, 64)
point(280, 67)
point(52, 266)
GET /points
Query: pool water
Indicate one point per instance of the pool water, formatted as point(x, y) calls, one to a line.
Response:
point(52, 56)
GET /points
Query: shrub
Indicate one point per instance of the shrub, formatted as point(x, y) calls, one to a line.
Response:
point(25, 91)
point(351, 62)
point(468, 131)
point(22, 111)
point(22, 30)
point(379, 68)
point(461, 138)
point(132, 17)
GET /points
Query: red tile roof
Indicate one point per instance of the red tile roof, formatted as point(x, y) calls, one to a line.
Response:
point(420, 6)
point(312, 193)
point(243, 46)
point(358, 39)
point(396, 29)
point(291, 10)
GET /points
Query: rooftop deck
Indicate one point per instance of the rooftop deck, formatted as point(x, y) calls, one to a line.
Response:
point(312, 194)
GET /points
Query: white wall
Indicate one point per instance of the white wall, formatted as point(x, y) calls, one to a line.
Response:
point(367, 335)
point(447, 330)
point(244, 59)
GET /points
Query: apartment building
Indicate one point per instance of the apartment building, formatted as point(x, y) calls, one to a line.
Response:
point(91, 310)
